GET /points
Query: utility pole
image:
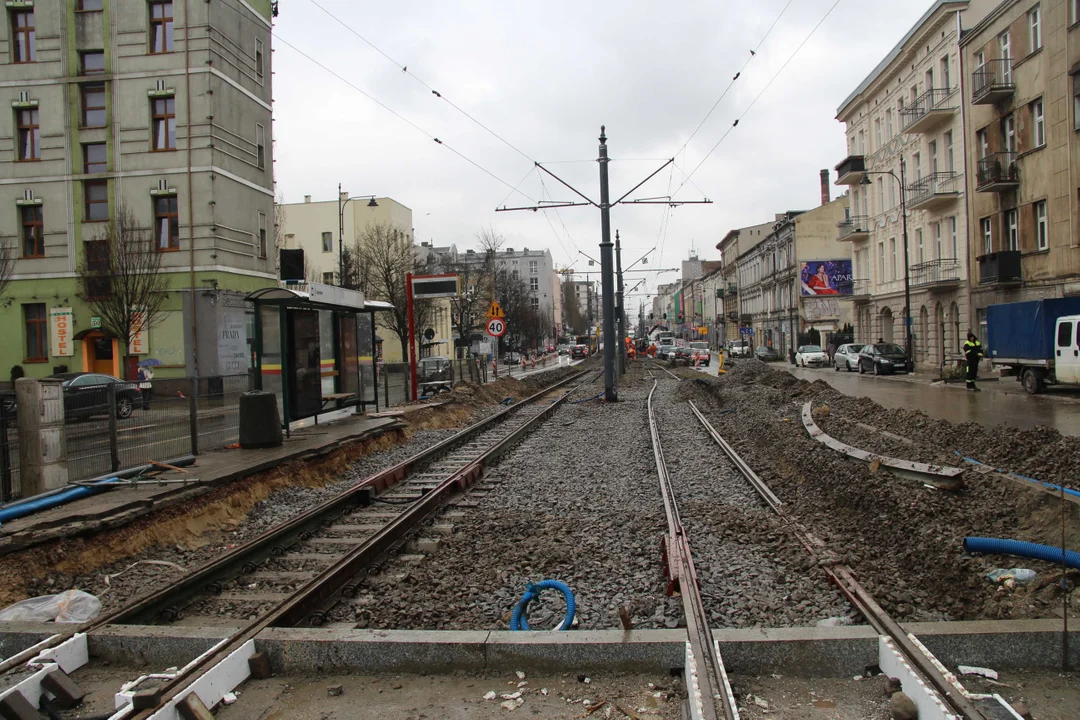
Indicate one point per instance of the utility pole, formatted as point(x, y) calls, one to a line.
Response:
point(607, 264)
point(621, 317)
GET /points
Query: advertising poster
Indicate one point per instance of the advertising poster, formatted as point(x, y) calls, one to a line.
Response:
point(825, 277)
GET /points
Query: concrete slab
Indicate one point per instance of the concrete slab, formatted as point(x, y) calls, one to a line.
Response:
point(636, 650)
point(153, 646)
point(216, 468)
point(1008, 644)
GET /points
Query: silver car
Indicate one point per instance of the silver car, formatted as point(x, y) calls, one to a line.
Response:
point(846, 357)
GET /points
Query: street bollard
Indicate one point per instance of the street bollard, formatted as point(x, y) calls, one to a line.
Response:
point(42, 446)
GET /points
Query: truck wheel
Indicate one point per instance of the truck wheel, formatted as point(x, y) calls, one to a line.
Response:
point(1033, 384)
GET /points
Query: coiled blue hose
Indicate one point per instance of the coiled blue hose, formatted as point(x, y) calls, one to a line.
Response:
point(999, 546)
point(518, 619)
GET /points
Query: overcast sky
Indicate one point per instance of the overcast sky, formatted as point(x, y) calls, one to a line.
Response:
point(545, 76)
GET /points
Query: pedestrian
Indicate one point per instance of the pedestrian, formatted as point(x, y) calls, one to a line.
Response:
point(973, 352)
point(829, 350)
point(146, 388)
point(881, 341)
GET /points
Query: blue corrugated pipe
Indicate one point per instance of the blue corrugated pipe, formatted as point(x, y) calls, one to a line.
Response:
point(31, 506)
point(518, 621)
point(998, 546)
point(1056, 488)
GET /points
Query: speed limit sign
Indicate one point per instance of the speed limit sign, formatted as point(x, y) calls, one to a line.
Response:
point(496, 327)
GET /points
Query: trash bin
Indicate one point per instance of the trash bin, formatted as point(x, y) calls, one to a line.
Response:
point(260, 423)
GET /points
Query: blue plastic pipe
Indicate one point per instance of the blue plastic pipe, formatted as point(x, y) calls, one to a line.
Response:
point(1051, 486)
point(518, 619)
point(33, 505)
point(998, 546)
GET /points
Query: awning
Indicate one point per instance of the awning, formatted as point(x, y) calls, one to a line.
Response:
point(316, 296)
point(100, 331)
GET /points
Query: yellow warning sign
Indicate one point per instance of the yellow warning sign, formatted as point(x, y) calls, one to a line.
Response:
point(495, 310)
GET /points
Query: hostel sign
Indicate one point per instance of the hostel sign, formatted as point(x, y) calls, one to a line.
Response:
point(60, 332)
point(139, 339)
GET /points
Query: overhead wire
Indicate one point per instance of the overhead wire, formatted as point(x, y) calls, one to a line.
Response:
point(758, 96)
point(404, 119)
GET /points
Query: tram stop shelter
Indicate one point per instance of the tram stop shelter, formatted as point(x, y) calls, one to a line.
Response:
point(315, 348)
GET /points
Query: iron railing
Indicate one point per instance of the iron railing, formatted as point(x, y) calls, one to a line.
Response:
point(997, 168)
point(1000, 267)
point(860, 286)
point(935, 271)
point(932, 99)
point(854, 224)
point(993, 76)
point(939, 183)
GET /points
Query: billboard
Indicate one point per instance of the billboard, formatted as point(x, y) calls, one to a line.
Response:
point(825, 277)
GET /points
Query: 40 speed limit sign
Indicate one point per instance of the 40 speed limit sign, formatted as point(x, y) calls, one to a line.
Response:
point(496, 327)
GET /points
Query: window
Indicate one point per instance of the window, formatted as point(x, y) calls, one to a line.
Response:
point(862, 138)
point(877, 133)
point(987, 236)
point(259, 145)
point(954, 238)
point(919, 245)
point(1034, 29)
point(980, 61)
point(1039, 121)
point(161, 26)
point(1075, 11)
point(1005, 44)
point(946, 80)
point(936, 227)
point(36, 332)
point(93, 106)
point(1076, 99)
point(1042, 230)
point(166, 223)
point(164, 123)
point(92, 62)
point(95, 158)
point(262, 235)
point(949, 151)
point(89, 5)
point(96, 200)
point(258, 57)
point(99, 282)
point(1064, 334)
point(534, 283)
point(532, 267)
point(33, 236)
point(1012, 230)
point(916, 160)
point(328, 242)
point(983, 141)
point(1008, 132)
point(888, 125)
point(933, 157)
point(29, 130)
point(23, 36)
point(535, 303)
point(892, 257)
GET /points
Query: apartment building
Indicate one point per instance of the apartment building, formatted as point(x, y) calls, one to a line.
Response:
point(736, 242)
point(314, 227)
point(159, 108)
point(536, 268)
point(905, 138)
point(585, 299)
point(1023, 157)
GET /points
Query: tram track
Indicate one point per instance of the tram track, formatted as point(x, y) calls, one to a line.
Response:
point(293, 574)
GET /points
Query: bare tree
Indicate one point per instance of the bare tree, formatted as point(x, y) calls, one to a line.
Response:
point(384, 255)
point(279, 231)
point(7, 267)
point(120, 277)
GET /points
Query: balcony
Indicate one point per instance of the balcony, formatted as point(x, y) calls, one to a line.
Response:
point(997, 172)
point(939, 274)
point(856, 227)
point(860, 289)
point(732, 289)
point(930, 111)
point(1000, 268)
point(934, 191)
point(992, 82)
point(850, 171)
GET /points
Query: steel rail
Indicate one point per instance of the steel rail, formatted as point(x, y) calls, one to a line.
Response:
point(150, 605)
point(715, 689)
point(322, 588)
point(658, 365)
point(844, 578)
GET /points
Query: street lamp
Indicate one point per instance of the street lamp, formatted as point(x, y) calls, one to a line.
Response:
point(341, 227)
point(907, 277)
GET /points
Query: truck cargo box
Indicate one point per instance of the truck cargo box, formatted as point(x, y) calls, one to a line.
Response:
point(1026, 329)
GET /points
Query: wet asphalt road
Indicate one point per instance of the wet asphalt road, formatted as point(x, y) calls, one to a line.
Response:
point(1002, 402)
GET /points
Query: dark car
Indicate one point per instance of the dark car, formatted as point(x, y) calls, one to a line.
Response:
point(882, 358)
point(87, 394)
point(680, 355)
point(578, 351)
point(767, 354)
point(436, 373)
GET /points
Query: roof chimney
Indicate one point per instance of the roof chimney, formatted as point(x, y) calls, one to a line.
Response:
point(825, 187)
point(307, 198)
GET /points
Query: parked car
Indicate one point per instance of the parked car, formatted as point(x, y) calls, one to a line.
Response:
point(846, 357)
point(665, 348)
point(87, 394)
point(436, 373)
point(579, 351)
point(881, 358)
point(512, 357)
point(766, 353)
point(680, 355)
point(811, 356)
point(703, 352)
point(738, 349)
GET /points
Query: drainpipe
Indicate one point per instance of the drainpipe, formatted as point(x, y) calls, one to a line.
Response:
point(190, 190)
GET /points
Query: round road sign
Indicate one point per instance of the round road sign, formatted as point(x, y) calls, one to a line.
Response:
point(496, 327)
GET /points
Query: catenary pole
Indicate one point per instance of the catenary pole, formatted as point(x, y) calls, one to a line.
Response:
point(607, 280)
point(620, 315)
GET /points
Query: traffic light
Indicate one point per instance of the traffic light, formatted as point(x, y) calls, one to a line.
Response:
point(665, 316)
point(680, 317)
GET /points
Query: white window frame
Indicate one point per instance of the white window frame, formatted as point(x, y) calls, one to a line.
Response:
point(920, 245)
point(987, 235)
point(323, 237)
point(1039, 121)
point(1076, 98)
point(881, 261)
point(932, 151)
point(1034, 29)
point(982, 139)
point(946, 72)
point(260, 59)
point(955, 238)
point(1012, 229)
point(1008, 132)
point(893, 262)
point(949, 150)
point(938, 248)
point(1042, 226)
point(1005, 45)
point(1075, 12)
